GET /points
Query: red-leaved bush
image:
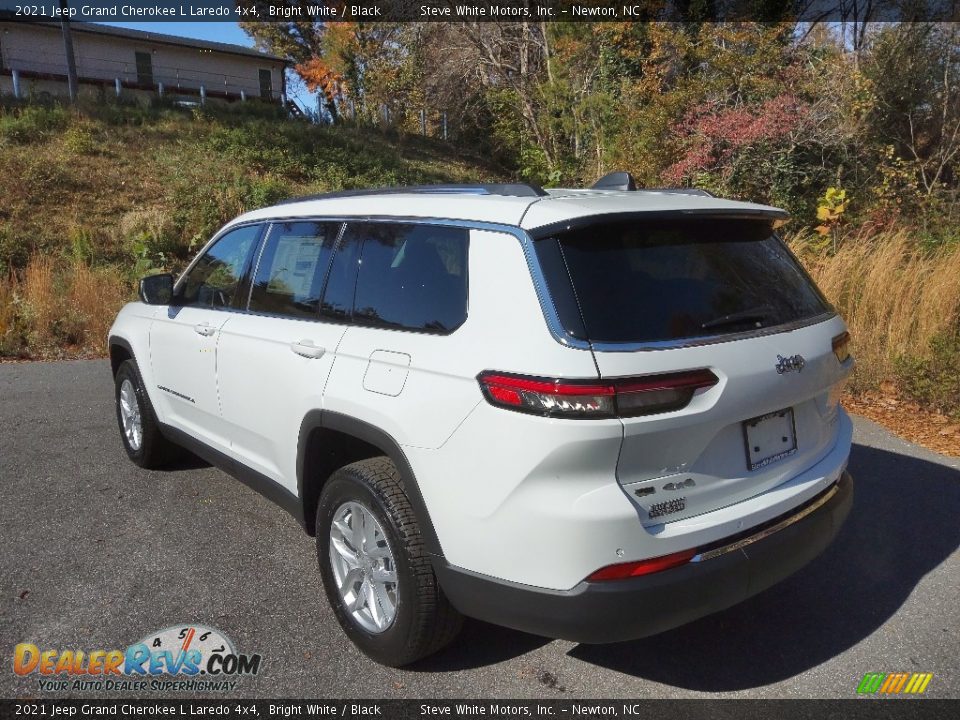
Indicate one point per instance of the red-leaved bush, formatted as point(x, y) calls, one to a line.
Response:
point(713, 136)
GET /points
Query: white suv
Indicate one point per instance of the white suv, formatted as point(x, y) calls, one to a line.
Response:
point(586, 414)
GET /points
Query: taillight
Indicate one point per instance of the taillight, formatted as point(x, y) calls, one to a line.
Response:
point(637, 568)
point(841, 347)
point(554, 398)
point(626, 397)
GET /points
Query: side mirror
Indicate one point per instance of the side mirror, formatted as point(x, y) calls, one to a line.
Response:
point(157, 289)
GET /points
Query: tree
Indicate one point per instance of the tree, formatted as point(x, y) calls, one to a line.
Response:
point(366, 63)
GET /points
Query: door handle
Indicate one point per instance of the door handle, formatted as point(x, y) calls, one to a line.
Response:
point(204, 329)
point(307, 349)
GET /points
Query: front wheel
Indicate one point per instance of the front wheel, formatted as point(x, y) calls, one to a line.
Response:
point(139, 430)
point(376, 573)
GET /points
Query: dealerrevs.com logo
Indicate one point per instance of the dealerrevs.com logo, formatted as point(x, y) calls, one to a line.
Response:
point(179, 658)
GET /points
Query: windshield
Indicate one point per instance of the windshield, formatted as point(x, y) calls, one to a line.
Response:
point(667, 279)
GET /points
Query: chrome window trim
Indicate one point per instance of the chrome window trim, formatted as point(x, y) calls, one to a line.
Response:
point(526, 241)
point(269, 222)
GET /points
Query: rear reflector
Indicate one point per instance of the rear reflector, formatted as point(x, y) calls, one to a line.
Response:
point(637, 568)
point(841, 347)
point(626, 397)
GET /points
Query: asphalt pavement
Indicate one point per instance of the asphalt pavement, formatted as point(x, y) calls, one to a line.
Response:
point(97, 554)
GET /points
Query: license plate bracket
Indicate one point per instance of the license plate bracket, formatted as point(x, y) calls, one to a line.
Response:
point(769, 438)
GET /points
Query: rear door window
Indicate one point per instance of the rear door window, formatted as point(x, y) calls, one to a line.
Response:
point(411, 277)
point(649, 280)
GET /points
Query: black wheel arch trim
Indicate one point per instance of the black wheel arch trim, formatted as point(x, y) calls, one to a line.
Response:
point(122, 342)
point(116, 340)
point(329, 420)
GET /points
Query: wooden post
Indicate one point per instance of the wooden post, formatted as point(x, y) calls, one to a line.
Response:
point(68, 51)
point(160, 89)
point(16, 83)
point(243, 96)
point(117, 86)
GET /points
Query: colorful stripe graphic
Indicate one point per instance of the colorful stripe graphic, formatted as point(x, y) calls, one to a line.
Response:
point(894, 683)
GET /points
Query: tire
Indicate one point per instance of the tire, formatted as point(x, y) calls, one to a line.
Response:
point(423, 621)
point(152, 450)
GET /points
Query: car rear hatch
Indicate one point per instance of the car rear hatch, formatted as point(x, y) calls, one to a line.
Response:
point(676, 298)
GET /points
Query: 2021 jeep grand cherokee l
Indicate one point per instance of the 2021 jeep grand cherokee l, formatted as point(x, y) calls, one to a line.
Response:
point(587, 414)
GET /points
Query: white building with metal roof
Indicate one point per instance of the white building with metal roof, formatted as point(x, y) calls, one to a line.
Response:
point(133, 62)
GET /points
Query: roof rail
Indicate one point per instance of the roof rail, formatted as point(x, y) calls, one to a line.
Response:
point(624, 181)
point(505, 189)
point(681, 191)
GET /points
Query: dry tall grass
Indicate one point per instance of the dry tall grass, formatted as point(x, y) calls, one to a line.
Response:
point(40, 299)
point(895, 298)
point(8, 309)
point(94, 297)
point(61, 308)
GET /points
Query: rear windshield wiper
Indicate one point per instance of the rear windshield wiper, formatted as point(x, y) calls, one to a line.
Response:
point(751, 315)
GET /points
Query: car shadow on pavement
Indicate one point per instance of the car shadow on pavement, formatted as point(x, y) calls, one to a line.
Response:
point(902, 525)
point(480, 644)
point(185, 460)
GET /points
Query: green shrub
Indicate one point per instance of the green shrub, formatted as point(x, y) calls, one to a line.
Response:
point(934, 381)
point(80, 139)
point(14, 249)
point(149, 238)
point(264, 191)
point(81, 244)
point(32, 123)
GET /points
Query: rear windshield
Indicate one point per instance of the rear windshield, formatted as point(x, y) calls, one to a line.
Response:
point(668, 279)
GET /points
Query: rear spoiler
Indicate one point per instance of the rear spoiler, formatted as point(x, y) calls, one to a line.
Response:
point(773, 215)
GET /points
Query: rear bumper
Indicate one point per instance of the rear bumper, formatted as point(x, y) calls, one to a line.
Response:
point(601, 612)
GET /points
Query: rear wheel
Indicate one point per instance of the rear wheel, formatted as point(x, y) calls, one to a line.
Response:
point(139, 430)
point(376, 573)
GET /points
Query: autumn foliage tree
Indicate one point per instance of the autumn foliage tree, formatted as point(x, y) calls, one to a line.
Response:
point(773, 111)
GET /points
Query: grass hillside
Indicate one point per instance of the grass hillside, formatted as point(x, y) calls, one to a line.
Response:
point(92, 199)
point(127, 183)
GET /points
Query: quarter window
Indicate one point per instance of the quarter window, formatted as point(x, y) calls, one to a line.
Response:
point(292, 268)
point(215, 279)
point(411, 277)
